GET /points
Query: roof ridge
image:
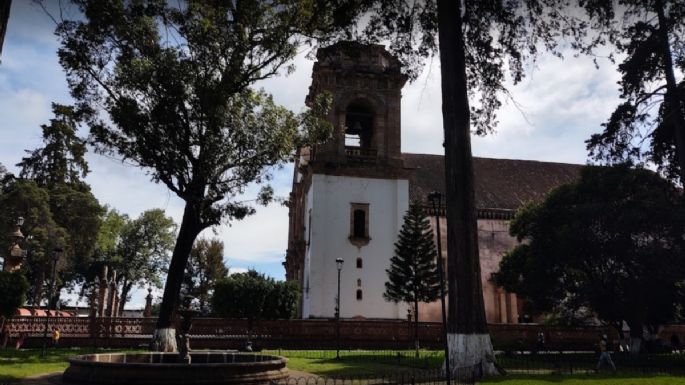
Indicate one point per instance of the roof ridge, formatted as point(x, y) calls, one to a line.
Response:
point(504, 159)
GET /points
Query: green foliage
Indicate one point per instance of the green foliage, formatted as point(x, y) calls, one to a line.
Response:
point(62, 160)
point(58, 167)
point(611, 242)
point(412, 276)
point(13, 287)
point(647, 125)
point(75, 209)
point(253, 296)
point(143, 251)
point(205, 267)
point(26, 199)
point(175, 81)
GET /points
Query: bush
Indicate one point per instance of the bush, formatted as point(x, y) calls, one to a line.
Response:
point(13, 287)
point(252, 295)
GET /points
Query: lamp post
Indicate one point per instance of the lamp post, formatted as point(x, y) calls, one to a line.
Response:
point(435, 198)
point(56, 254)
point(339, 264)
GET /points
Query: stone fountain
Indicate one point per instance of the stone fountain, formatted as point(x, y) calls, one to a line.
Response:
point(185, 367)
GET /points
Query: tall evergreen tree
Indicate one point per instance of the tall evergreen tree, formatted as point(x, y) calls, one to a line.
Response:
point(58, 167)
point(62, 159)
point(650, 122)
point(413, 276)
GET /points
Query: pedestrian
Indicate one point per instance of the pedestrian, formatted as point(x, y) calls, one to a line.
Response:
point(55, 337)
point(604, 354)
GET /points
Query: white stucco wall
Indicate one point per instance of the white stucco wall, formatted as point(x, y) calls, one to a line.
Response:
point(329, 198)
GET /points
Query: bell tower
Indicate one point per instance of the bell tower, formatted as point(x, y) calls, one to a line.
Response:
point(350, 193)
point(366, 84)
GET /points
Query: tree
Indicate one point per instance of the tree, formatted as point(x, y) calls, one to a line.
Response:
point(254, 296)
point(143, 251)
point(13, 287)
point(62, 159)
point(23, 198)
point(413, 276)
point(59, 167)
point(611, 242)
point(205, 267)
point(175, 81)
point(478, 42)
point(649, 34)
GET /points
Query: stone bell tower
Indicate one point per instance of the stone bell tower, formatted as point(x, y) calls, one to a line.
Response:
point(350, 194)
point(366, 84)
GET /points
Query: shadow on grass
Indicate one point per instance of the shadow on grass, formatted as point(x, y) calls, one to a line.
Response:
point(585, 379)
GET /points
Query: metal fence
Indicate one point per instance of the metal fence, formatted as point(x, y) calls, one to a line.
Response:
point(217, 333)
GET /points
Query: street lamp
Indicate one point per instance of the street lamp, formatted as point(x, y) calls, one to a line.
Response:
point(339, 264)
point(435, 198)
point(56, 254)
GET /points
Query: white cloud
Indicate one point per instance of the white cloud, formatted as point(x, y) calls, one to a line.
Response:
point(237, 270)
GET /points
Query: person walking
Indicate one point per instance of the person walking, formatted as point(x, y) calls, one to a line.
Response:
point(55, 337)
point(604, 354)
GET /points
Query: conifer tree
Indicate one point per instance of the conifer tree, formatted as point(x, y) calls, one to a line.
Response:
point(412, 276)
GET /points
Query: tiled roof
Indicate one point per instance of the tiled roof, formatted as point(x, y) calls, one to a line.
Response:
point(500, 183)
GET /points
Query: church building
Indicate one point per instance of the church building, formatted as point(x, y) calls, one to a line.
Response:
point(350, 194)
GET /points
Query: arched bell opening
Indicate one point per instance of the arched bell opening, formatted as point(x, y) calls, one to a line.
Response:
point(359, 125)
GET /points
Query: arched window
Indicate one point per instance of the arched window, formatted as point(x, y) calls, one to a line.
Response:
point(359, 283)
point(359, 294)
point(359, 263)
point(359, 224)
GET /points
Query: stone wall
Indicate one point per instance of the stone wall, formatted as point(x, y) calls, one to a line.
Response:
point(493, 241)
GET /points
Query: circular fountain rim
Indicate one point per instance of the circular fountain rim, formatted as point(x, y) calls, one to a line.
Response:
point(80, 360)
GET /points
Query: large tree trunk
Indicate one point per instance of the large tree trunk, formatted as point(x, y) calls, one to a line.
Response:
point(672, 97)
point(416, 326)
point(467, 335)
point(164, 338)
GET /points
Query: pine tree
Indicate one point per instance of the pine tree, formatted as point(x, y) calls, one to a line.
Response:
point(412, 276)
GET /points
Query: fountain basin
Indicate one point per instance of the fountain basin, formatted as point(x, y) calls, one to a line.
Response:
point(152, 368)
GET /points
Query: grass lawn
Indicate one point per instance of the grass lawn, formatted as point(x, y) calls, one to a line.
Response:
point(18, 364)
point(359, 362)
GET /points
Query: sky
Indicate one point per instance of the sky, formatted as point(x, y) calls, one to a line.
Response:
point(560, 104)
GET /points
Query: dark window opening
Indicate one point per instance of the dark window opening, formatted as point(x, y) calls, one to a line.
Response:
point(359, 126)
point(359, 283)
point(359, 224)
point(359, 295)
point(359, 263)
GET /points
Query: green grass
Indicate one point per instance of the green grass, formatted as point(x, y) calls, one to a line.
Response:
point(358, 362)
point(18, 364)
